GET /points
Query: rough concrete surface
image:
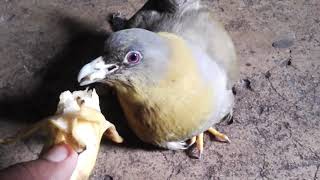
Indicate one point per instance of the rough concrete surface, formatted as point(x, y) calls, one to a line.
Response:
point(276, 127)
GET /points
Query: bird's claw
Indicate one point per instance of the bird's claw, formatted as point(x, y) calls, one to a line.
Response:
point(197, 150)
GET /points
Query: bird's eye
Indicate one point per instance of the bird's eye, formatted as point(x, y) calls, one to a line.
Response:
point(133, 57)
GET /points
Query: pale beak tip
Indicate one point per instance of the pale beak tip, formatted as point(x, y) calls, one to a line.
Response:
point(83, 81)
point(80, 80)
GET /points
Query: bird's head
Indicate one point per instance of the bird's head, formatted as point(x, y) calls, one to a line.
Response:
point(132, 55)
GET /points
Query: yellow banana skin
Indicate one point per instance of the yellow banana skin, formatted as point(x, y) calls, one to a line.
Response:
point(79, 123)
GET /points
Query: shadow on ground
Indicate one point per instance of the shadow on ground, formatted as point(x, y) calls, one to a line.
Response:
point(57, 76)
point(60, 75)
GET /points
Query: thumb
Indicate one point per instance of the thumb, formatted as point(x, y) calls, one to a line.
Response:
point(58, 163)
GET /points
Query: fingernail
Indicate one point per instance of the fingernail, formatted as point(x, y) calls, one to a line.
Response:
point(57, 154)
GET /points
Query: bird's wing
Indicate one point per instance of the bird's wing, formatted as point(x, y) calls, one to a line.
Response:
point(195, 23)
point(200, 28)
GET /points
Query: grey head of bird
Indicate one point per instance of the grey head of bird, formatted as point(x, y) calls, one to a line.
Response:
point(131, 55)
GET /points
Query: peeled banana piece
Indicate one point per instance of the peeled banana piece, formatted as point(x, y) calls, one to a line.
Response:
point(78, 122)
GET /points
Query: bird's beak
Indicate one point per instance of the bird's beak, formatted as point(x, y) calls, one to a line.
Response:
point(95, 71)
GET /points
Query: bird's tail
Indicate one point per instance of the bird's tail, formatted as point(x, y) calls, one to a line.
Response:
point(173, 5)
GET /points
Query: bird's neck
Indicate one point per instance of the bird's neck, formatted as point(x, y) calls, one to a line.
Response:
point(182, 74)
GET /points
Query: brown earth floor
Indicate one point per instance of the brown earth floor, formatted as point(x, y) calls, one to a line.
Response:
point(276, 129)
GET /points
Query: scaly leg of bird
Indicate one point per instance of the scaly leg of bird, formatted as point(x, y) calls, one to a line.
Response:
point(199, 143)
point(220, 136)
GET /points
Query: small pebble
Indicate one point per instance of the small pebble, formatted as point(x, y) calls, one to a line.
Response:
point(252, 51)
point(268, 74)
point(286, 62)
point(289, 62)
point(247, 84)
point(260, 110)
point(283, 43)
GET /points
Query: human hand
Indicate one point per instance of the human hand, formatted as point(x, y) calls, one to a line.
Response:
point(58, 163)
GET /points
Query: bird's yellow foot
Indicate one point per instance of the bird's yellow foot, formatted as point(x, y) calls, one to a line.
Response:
point(196, 151)
point(218, 135)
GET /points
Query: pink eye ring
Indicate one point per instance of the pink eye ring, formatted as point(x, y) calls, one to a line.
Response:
point(133, 57)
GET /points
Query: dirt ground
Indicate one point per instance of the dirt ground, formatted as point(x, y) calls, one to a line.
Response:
point(275, 133)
